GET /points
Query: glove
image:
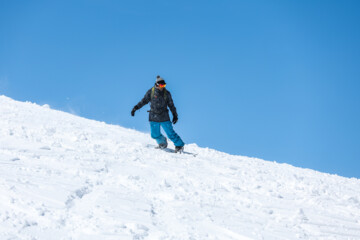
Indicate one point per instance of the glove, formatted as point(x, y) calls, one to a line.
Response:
point(133, 110)
point(175, 119)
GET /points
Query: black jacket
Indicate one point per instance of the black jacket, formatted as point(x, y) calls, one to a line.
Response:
point(158, 105)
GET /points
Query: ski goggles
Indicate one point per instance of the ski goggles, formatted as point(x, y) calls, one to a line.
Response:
point(162, 85)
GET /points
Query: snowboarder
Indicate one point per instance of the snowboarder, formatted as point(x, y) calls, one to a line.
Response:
point(160, 99)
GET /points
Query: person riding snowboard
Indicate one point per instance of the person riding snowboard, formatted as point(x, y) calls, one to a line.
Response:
point(160, 99)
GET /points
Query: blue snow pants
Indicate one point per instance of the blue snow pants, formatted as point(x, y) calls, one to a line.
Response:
point(168, 128)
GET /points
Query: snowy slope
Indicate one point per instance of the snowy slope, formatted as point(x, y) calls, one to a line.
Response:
point(66, 177)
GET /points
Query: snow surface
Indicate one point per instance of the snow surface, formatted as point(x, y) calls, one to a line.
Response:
point(66, 177)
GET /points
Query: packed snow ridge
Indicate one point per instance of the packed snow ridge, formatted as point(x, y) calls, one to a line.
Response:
point(66, 177)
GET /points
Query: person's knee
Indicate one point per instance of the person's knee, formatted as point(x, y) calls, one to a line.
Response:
point(155, 131)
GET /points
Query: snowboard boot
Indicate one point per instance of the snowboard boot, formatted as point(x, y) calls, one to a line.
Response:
point(163, 145)
point(179, 149)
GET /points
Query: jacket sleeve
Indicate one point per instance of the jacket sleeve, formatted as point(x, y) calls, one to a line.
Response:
point(171, 105)
point(146, 99)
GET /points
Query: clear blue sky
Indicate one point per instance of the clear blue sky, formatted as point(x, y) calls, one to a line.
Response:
point(277, 80)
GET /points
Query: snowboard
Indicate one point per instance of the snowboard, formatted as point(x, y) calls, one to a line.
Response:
point(169, 150)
